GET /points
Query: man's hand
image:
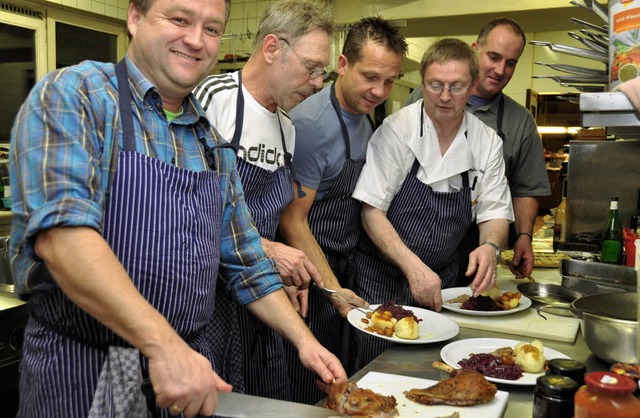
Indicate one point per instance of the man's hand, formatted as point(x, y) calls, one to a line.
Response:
point(183, 380)
point(482, 263)
point(523, 258)
point(299, 299)
point(631, 88)
point(320, 360)
point(426, 286)
point(293, 265)
point(344, 308)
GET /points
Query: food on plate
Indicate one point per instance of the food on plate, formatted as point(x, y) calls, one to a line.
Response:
point(407, 328)
point(530, 357)
point(347, 398)
point(492, 366)
point(541, 259)
point(489, 301)
point(462, 388)
point(385, 319)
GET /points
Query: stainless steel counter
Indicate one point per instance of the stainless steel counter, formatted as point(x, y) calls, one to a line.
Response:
point(415, 361)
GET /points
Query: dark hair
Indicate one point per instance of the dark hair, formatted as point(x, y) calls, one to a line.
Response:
point(500, 21)
point(145, 5)
point(376, 29)
point(292, 19)
point(450, 49)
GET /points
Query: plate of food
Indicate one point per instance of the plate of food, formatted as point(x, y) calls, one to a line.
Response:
point(389, 395)
point(403, 324)
point(495, 303)
point(510, 362)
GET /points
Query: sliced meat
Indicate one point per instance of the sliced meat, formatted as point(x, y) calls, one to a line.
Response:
point(462, 388)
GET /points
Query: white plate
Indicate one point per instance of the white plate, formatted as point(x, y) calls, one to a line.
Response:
point(454, 292)
point(433, 327)
point(453, 352)
point(396, 385)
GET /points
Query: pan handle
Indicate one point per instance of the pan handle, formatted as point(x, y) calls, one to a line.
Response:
point(563, 306)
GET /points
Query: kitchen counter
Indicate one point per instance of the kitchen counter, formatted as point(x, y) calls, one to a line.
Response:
point(415, 360)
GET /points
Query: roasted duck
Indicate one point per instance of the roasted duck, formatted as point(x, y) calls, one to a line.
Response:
point(347, 398)
point(462, 388)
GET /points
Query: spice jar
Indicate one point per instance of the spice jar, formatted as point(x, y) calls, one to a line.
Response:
point(568, 367)
point(606, 395)
point(553, 396)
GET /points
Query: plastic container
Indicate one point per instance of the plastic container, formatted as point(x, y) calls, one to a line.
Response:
point(569, 368)
point(553, 396)
point(606, 395)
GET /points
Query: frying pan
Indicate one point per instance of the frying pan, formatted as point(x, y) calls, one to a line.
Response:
point(570, 50)
point(609, 324)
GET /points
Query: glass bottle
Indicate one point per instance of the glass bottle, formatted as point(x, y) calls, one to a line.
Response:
point(606, 395)
point(562, 220)
point(611, 249)
point(553, 397)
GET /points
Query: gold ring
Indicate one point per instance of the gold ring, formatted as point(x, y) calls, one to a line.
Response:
point(177, 408)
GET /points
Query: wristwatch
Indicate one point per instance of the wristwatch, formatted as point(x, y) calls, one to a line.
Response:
point(495, 247)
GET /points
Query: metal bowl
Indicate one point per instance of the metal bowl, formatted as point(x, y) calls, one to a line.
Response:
point(550, 294)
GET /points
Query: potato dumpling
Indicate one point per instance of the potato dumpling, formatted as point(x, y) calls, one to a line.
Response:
point(407, 328)
point(530, 357)
point(383, 320)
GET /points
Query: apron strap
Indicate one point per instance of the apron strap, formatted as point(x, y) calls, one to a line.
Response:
point(343, 126)
point(124, 106)
point(500, 115)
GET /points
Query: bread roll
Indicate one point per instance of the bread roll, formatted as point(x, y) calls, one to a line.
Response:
point(407, 328)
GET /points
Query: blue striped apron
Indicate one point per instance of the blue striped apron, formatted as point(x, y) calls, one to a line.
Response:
point(252, 360)
point(432, 225)
point(334, 221)
point(163, 224)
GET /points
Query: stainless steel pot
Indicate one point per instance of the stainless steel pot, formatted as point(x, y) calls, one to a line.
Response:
point(609, 323)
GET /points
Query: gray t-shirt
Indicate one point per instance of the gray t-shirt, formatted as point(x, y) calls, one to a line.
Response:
point(320, 146)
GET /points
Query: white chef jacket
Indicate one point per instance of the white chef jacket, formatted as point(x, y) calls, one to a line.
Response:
point(397, 143)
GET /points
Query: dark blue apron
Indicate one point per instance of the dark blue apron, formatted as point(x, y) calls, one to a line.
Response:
point(163, 224)
point(334, 221)
point(432, 225)
point(252, 360)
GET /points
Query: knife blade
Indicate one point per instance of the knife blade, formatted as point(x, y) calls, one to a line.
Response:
point(238, 405)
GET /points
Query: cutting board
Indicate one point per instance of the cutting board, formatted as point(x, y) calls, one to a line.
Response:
point(526, 323)
point(396, 385)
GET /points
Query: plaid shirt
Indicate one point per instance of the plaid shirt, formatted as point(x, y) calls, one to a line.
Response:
point(63, 155)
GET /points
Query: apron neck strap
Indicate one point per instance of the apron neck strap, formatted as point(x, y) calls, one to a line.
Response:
point(124, 106)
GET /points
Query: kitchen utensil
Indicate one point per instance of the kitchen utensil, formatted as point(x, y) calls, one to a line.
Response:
point(600, 29)
point(344, 299)
point(589, 43)
point(550, 294)
point(593, 6)
point(596, 37)
point(508, 264)
point(609, 324)
point(570, 50)
point(576, 78)
point(589, 278)
point(584, 88)
point(573, 69)
point(232, 404)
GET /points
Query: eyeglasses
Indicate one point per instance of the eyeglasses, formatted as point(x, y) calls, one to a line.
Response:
point(313, 72)
point(437, 88)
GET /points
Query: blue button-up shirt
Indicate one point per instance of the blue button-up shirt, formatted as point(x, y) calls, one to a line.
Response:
point(64, 148)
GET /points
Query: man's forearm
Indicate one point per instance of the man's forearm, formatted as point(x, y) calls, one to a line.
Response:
point(525, 210)
point(494, 230)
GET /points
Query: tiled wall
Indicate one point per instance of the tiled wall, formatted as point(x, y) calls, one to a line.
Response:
point(111, 8)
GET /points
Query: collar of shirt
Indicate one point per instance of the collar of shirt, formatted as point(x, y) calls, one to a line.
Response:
point(436, 166)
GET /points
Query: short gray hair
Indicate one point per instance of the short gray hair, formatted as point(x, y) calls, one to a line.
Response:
point(292, 19)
